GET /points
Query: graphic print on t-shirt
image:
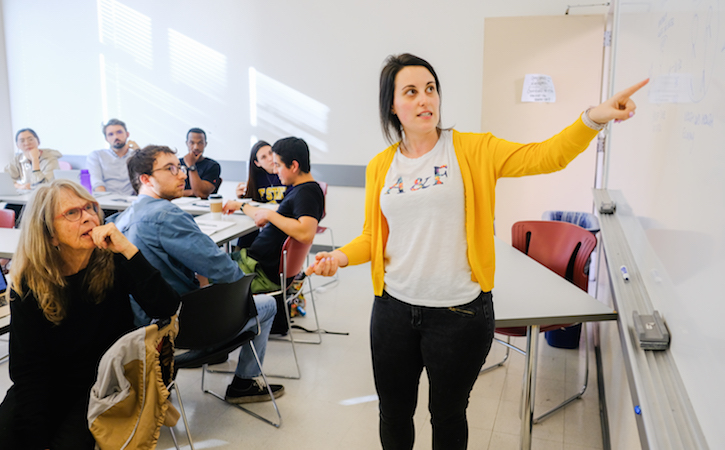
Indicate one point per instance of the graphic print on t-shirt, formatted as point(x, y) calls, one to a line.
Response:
point(272, 194)
point(420, 183)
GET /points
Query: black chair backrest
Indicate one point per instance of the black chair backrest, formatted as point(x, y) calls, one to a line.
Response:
point(215, 313)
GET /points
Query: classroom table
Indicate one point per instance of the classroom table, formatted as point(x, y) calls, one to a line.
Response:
point(9, 238)
point(242, 225)
point(105, 200)
point(528, 294)
point(19, 199)
point(119, 202)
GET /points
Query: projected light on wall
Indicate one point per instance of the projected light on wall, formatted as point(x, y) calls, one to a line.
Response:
point(132, 95)
point(197, 66)
point(125, 29)
point(282, 111)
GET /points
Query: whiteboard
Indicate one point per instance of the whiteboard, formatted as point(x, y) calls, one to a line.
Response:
point(669, 163)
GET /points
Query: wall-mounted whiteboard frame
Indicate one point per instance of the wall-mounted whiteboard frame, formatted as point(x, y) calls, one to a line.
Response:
point(669, 164)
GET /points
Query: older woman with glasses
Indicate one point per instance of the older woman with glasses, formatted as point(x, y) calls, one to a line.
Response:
point(70, 287)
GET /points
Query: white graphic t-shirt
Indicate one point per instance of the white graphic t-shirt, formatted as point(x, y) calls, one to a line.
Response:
point(426, 262)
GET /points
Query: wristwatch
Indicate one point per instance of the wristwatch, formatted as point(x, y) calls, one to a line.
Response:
point(192, 168)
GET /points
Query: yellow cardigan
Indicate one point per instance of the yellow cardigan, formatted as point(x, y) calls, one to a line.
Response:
point(483, 159)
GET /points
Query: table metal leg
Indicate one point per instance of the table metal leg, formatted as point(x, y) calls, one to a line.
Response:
point(527, 401)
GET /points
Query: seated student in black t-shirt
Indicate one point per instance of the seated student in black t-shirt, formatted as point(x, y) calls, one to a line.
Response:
point(203, 176)
point(297, 215)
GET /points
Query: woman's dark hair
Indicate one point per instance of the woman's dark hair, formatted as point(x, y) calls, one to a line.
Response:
point(29, 130)
point(392, 128)
point(254, 171)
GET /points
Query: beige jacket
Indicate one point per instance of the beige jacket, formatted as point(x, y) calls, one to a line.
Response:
point(48, 163)
point(129, 401)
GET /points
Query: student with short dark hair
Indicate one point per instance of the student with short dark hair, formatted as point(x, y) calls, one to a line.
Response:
point(203, 174)
point(297, 215)
point(173, 243)
point(107, 166)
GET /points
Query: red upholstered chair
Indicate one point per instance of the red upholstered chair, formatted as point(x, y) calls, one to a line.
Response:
point(291, 263)
point(7, 218)
point(565, 249)
point(322, 229)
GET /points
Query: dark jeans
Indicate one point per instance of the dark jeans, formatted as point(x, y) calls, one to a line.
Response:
point(451, 343)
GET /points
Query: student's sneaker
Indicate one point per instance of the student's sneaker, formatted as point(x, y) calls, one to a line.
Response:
point(255, 393)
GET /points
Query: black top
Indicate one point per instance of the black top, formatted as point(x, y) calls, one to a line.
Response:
point(208, 170)
point(269, 188)
point(305, 199)
point(52, 365)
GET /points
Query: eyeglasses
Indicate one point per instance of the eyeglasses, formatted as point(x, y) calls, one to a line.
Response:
point(75, 214)
point(173, 169)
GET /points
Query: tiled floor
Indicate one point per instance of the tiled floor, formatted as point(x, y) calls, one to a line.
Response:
point(330, 406)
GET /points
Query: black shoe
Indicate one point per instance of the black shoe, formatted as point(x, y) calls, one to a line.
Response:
point(255, 393)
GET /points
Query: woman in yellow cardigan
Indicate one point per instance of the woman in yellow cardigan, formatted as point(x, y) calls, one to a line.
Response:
point(434, 189)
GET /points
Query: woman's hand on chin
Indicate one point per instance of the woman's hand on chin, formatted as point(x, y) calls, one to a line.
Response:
point(108, 237)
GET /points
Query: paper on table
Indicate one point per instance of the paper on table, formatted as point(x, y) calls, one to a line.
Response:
point(184, 200)
point(210, 227)
point(130, 199)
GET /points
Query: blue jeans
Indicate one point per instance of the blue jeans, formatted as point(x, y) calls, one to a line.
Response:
point(266, 310)
point(451, 343)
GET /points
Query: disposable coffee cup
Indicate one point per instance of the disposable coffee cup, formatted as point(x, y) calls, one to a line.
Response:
point(215, 205)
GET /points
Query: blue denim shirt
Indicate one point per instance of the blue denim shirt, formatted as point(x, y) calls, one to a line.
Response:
point(173, 243)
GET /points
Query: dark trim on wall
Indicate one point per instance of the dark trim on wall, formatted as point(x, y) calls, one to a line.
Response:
point(332, 174)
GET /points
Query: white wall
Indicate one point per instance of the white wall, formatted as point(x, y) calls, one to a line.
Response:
point(170, 65)
point(321, 60)
point(6, 130)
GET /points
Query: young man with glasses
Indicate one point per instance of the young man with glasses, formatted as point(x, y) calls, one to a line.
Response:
point(173, 243)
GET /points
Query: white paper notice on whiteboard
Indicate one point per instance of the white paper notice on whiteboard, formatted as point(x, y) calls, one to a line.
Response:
point(538, 88)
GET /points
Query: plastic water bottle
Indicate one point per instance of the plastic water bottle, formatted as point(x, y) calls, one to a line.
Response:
point(86, 180)
point(27, 167)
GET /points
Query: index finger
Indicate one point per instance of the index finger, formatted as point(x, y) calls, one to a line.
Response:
point(632, 89)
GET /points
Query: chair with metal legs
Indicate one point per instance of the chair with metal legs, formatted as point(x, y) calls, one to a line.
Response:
point(565, 249)
point(321, 230)
point(212, 318)
point(291, 263)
